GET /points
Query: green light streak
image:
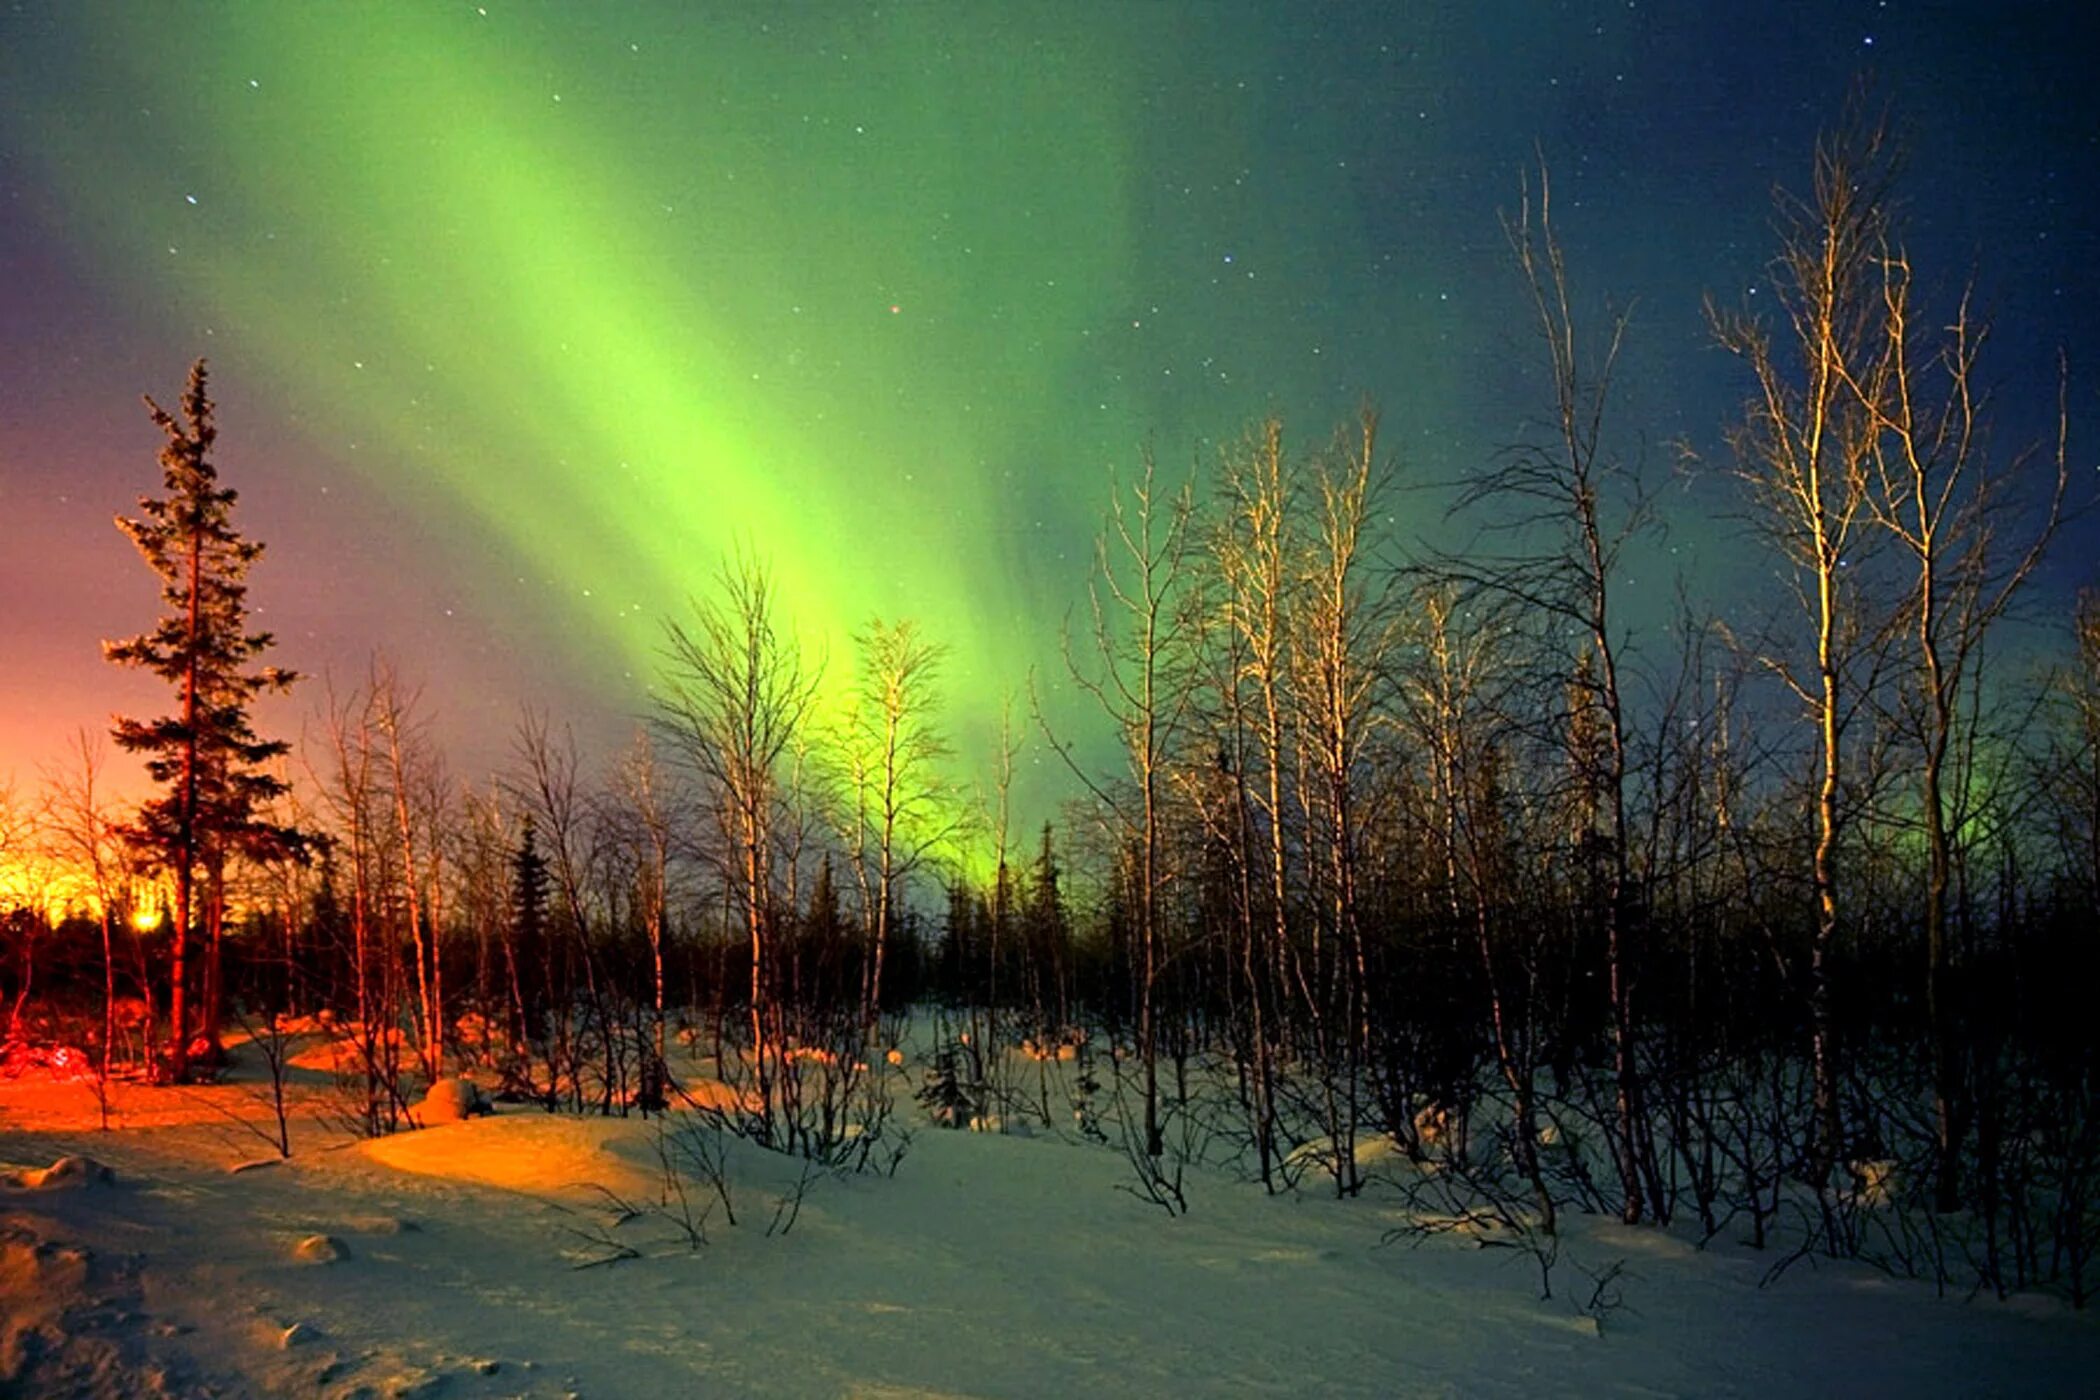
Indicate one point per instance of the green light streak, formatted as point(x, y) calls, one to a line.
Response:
point(879, 298)
point(627, 335)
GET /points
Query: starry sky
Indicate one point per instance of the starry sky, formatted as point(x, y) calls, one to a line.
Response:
point(521, 314)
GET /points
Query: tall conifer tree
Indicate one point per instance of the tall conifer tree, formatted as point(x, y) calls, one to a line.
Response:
point(206, 755)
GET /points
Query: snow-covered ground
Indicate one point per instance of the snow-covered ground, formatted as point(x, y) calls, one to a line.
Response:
point(446, 1262)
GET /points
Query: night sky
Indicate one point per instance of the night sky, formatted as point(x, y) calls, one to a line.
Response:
point(520, 314)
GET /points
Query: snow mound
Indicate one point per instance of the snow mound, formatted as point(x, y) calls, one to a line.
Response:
point(550, 1155)
point(1318, 1154)
point(999, 1123)
point(320, 1249)
point(64, 1174)
point(453, 1100)
point(299, 1334)
point(713, 1095)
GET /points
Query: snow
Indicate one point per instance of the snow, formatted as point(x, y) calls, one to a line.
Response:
point(63, 1174)
point(535, 1254)
point(320, 1249)
point(554, 1156)
point(452, 1099)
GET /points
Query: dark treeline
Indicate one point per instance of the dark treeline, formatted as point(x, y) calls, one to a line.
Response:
point(1778, 925)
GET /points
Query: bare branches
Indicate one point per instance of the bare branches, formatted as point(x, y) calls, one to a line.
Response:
point(1139, 560)
point(893, 747)
point(737, 698)
point(1805, 454)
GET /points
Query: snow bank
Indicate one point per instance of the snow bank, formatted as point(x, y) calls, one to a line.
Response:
point(541, 1154)
point(64, 1174)
point(987, 1265)
point(1318, 1154)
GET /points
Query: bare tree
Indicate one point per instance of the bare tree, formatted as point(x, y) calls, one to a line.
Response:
point(1805, 454)
point(1343, 641)
point(416, 784)
point(1939, 496)
point(15, 824)
point(1452, 698)
point(351, 789)
point(2070, 777)
point(22, 862)
point(1253, 550)
point(1139, 628)
point(484, 855)
point(737, 695)
point(895, 747)
point(83, 827)
point(552, 791)
point(1571, 508)
point(642, 790)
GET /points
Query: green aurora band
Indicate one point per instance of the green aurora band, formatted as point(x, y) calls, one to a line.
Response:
point(876, 298)
point(590, 296)
point(626, 344)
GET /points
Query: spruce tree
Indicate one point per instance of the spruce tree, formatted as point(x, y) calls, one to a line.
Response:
point(1047, 935)
point(206, 756)
point(530, 989)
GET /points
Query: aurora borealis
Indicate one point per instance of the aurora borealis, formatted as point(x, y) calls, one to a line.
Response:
point(522, 314)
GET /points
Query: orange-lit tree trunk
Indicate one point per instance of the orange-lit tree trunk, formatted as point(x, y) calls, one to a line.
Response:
point(1255, 555)
point(349, 790)
point(396, 722)
point(1804, 452)
point(1343, 638)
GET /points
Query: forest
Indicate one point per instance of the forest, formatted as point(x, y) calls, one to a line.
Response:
point(1776, 925)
